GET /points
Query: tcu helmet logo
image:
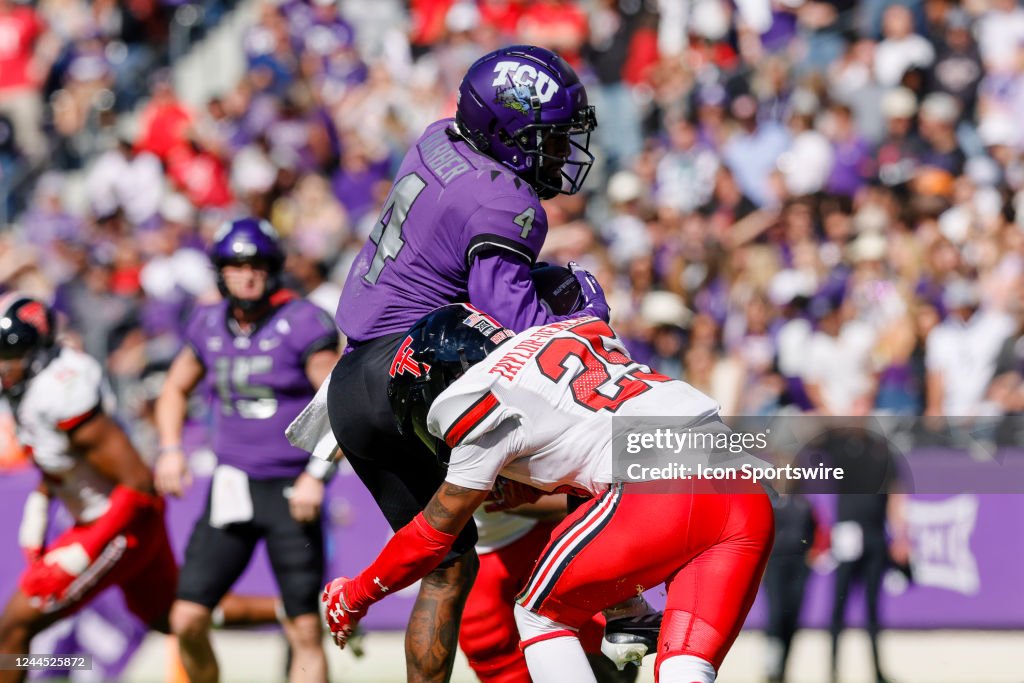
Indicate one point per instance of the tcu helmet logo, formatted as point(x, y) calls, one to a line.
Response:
point(403, 361)
point(34, 314)
point(524, 77)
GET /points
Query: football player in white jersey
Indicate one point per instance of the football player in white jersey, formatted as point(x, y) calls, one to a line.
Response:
point(58, 401)
point(537, 408)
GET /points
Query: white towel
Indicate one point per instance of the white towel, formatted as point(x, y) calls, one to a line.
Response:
point(311, 430)
point(230, 499)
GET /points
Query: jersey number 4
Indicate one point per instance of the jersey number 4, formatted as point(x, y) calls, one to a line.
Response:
point(596, 360)
point(387, 233)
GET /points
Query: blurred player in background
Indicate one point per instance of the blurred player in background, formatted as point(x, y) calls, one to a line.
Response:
point(59, 401)
point(263, 352)
point(870, 532)
point(537, 409)
point(799, 539)
point(463, 222)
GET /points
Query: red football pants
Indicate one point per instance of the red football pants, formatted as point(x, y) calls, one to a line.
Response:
point(139, 560)
point(709, 549)
point(489, 637)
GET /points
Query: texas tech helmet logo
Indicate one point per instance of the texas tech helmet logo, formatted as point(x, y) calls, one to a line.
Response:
point(404, 362)
point(33, 313)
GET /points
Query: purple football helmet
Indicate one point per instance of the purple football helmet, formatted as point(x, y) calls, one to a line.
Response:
point(524, 107)
point(248, 240)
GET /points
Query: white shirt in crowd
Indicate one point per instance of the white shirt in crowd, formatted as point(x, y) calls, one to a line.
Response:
point(189, 269)
point(135, 185)
point(964, 354)
point(841, 366)
point(1000, 35)
point(894, 57)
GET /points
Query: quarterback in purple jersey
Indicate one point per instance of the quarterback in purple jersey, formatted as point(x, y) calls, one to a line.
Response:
point(263, 352)
point(463, 223)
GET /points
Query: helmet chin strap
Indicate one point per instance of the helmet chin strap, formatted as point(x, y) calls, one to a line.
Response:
point(248, 311)
point(250, 305)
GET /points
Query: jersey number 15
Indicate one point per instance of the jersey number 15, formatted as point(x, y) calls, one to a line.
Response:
point(238, 394)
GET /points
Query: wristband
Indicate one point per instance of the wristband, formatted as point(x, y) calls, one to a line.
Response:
point(320, 469)
point(32, 531)
point(170, 449)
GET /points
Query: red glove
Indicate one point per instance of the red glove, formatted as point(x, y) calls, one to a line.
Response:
point(57, 570)
point(508, 494)
point(340, 619)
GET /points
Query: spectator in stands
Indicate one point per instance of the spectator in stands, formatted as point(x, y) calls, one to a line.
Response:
point(126, 180)
point(22, 71)
point(884, 149)
point(957, 69)
point(164, 122)
point(753, 151)
point(838, 374)
point(901, 49)
point(962, 351)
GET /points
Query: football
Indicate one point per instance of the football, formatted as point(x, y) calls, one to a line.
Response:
point(558, 289)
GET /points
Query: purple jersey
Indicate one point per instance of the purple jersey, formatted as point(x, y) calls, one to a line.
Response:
point(449, 205)
point(259, 382)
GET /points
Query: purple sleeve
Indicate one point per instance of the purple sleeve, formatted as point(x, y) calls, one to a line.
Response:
point(515, 223)
point(500, 285)
point(196, 331)
point(312, 330)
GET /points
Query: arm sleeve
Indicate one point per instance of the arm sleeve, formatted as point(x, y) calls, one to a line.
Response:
point(414, 550)
point(500, 284)
point(194, 332)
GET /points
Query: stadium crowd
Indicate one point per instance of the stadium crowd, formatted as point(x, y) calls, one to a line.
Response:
point(813, 204)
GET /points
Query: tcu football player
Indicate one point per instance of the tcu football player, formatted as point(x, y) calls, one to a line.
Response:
point(463, 222)
point(263, 353)
point(59, 403)
point(537, 408)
